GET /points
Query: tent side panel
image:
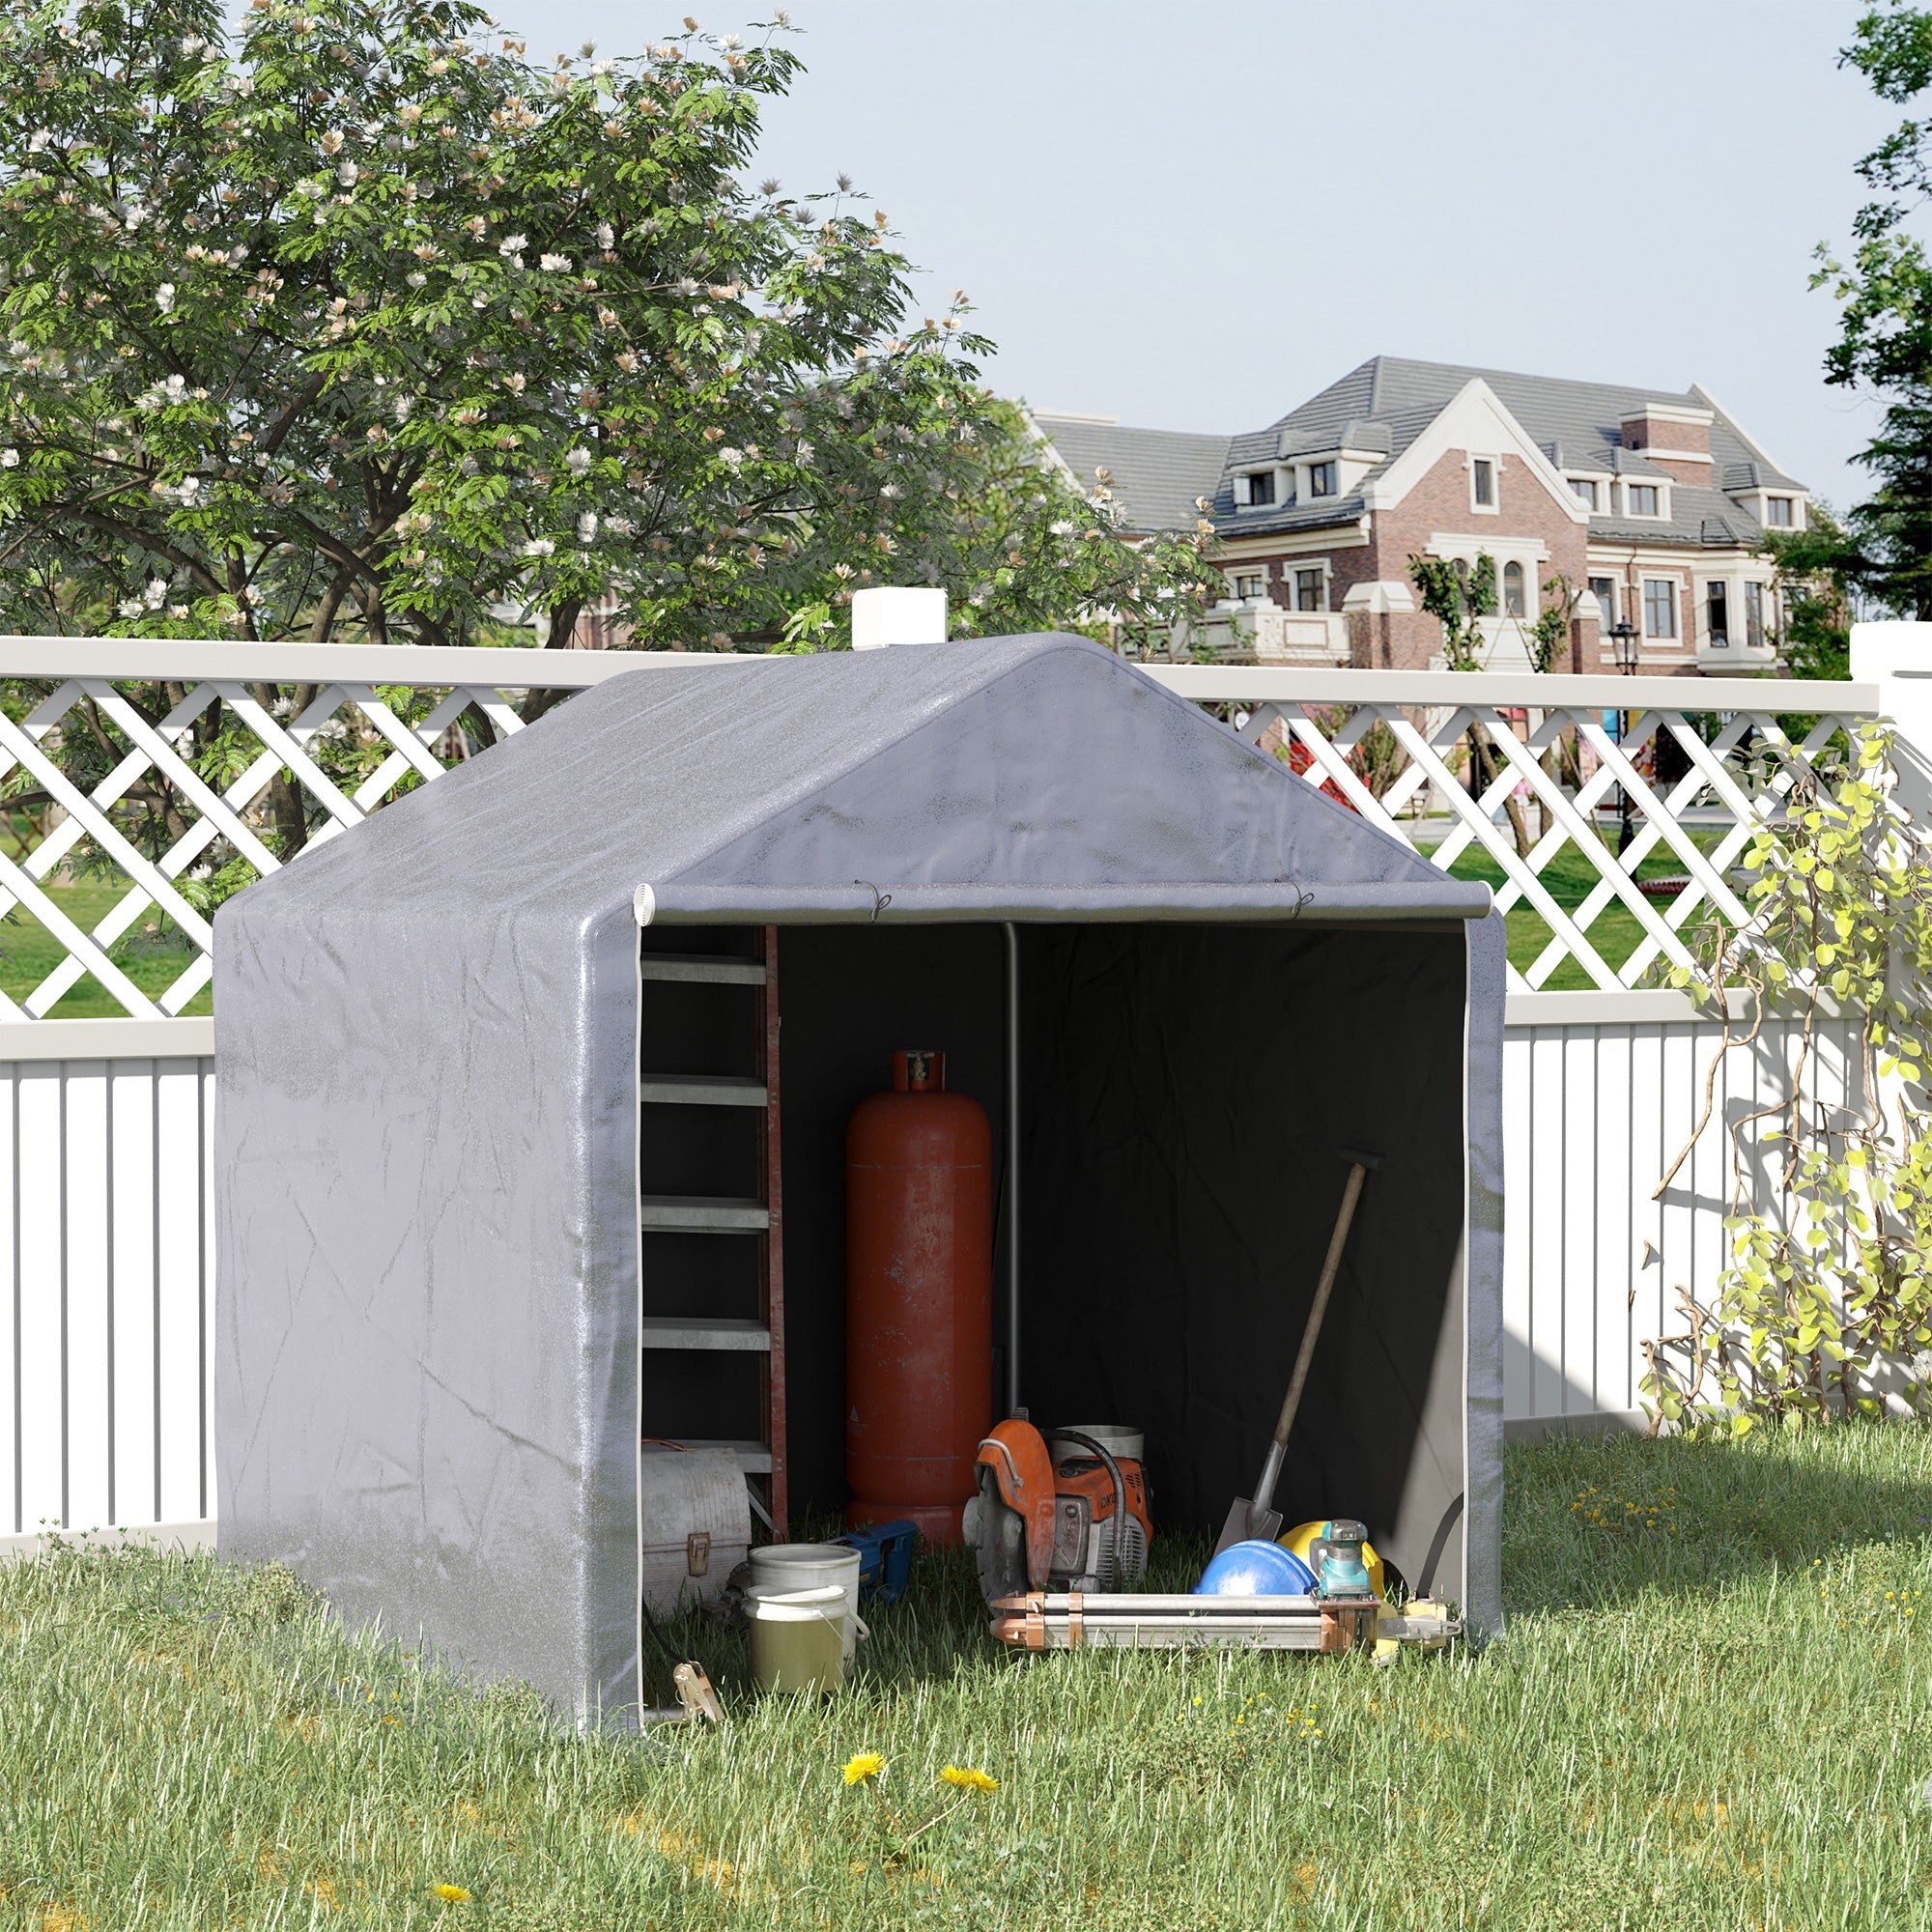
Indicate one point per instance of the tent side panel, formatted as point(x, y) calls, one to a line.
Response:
point(414, 1370)
point(1482, 1590)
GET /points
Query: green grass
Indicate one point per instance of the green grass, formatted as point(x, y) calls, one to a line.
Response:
point(1720, 1720)
point(1570, 878)
point(29, 953)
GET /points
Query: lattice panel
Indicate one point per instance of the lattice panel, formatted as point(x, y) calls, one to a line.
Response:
point(1701, 821)
point(89, 749)
point(221, 817)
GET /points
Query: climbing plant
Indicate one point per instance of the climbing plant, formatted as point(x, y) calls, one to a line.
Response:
point(1828, 1292)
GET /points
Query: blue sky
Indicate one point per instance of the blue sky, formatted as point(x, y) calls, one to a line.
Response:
point(1192, 217)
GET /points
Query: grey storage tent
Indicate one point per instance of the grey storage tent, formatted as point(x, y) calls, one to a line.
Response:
point(431, 1375)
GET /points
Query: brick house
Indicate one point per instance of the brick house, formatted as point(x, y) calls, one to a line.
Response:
point(1649, 505)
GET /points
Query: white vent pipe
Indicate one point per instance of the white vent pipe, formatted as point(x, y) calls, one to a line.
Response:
point(892, 614)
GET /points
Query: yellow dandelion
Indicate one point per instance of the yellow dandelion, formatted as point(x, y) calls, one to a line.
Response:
point(451, 1895)
point(866, 1766)
point(968, 1780)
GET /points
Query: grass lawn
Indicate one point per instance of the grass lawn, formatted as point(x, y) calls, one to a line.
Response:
point(29, 953)
point(1721, 1718)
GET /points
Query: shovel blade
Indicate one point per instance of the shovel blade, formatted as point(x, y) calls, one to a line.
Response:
point(1246, 1523)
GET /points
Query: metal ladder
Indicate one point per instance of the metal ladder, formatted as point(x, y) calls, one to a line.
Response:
point(762, 1459)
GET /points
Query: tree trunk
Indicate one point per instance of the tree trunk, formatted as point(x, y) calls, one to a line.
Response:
point(286, 809)
point(1484, 765)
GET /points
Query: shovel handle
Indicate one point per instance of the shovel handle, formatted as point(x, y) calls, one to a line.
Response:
point(1351, 1194)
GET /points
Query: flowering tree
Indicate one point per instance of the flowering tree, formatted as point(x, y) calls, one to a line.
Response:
point(357, 324)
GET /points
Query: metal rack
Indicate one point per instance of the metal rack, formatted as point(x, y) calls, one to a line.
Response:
point(729, 1216)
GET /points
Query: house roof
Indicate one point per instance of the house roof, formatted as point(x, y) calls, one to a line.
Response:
point(1159, 474)
point(1005, 778)
point(1383, 406)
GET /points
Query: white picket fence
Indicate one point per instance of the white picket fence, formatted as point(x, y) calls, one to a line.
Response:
point(105, 1269)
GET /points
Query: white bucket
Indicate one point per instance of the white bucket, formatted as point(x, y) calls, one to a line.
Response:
point(799, 1637)
point(810, 1566)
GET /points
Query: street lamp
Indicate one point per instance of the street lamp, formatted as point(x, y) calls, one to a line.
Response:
point(1623, 639)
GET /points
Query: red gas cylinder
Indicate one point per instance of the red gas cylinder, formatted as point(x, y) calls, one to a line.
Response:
point(919, 1298)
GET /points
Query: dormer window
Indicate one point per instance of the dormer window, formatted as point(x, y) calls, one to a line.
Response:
point(1643, 499)
point(1777, 513)
point(1251, 588)
point(1322, 479)
point(1257, 486)
point(1585, 488)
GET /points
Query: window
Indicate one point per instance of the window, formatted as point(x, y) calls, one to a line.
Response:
point(1754, 615)
point(1641, 499)
point(1778, 512)
point(1483, 482)
point(1513, 591)
point(1321, 479)
point(1585, 488)
point(1604, 590)
point(1659, 608)
point(1249, 588)
point(1717, 611)
point(1311, 591)
point(1256, 487)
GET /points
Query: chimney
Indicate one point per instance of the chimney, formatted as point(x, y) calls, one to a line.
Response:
point(1675, 436)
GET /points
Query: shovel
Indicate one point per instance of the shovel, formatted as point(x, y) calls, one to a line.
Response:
point(1255, 1517)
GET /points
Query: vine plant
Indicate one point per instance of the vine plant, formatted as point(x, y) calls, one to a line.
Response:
point(1827, 1298)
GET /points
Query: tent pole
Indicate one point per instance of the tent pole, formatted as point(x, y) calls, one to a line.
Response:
point(1012, 1169)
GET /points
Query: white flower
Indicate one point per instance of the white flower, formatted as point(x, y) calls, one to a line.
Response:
point(729, 41)
point(179, 613)
point(157, 593)
point(780, 17)
point(586, 526)
point(601, 67)
point(804, 452)
point(177, 387)
point(129, 607)
point(404, 405)
point(164, 296)
point(1063, 528)
point(415, 278)
point(332, 142)
point(346, 173)
point(38, 140)
point(623, 526)
point(539, 547)
point(606, 235)
point(687, 287)
point(730, 457)
point(514, 385)
point(191, 489)
point(9, 458)
point(556, 265)
point(510, 243)
point(313, 189)
point(578, 462)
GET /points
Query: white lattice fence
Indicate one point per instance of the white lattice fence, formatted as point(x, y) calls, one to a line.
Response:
point(1734, 775)
point(105, 1267)
point(345, 727)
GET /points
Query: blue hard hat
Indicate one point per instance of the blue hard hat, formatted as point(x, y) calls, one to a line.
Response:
point(1256, 1569)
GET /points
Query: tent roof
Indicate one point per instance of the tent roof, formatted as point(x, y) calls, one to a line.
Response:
point(1015, 777)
